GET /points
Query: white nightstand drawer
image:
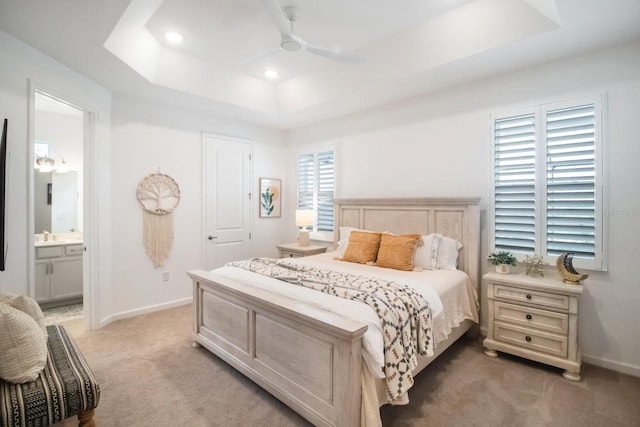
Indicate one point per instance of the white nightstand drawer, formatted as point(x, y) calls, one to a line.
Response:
point(71, 250)
point(532, 317)
point(531, 339)
point(544, 299)
point(49, 252)
point(284, 254)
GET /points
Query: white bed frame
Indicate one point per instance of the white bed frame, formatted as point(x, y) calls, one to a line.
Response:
point(306, 357)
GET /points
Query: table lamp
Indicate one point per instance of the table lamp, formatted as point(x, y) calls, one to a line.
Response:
point(304, 218)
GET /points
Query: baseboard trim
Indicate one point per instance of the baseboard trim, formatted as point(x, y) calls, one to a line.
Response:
point(144, 310)
point(624, 368)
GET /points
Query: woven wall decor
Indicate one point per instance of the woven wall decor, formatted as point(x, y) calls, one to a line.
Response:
point(159, 195)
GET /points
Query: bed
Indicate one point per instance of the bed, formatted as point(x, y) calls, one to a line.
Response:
point(310, 358)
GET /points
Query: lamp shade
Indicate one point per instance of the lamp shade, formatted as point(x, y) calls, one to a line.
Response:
point(304, 218)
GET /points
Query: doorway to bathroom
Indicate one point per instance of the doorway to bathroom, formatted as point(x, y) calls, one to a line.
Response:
point(58, 177)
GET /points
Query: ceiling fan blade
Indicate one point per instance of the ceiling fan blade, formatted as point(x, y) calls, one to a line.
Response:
point(348, 57)
point(278, 17)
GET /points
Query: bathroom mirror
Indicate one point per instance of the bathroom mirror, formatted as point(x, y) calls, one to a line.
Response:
point(57, 202)
point(58, 171)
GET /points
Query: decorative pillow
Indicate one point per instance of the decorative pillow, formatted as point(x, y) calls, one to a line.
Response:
point(397, 251)
point(448, 251)
point(437, 253)
point(345, 232)
point(344, 239)
point(363, 247)
point(22, 346)
point(27, 305)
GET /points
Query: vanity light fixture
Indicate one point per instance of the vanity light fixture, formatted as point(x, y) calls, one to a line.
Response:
point(63, 167)
point(44, 164)
point(47, 164)
point(173, 37)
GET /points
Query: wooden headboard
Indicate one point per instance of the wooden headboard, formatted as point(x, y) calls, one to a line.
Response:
point(455, 217)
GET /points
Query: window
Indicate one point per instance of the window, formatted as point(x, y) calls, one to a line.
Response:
point(40, 149)
point(316, 189)
point(548, 182)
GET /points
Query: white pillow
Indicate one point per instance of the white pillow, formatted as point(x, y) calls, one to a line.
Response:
point(438, 252)
point(27, 305)
point(22, 346)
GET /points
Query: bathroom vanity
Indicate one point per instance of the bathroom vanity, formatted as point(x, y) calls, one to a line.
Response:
point(58, 272)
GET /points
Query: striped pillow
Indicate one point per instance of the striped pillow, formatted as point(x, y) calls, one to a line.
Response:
point(27, 305)
point(22, 345)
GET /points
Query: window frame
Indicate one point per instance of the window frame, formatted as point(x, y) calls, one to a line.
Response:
point(314, 234)
point(600, 262)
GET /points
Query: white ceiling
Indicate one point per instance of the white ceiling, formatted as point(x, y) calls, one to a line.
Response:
point(414, 47)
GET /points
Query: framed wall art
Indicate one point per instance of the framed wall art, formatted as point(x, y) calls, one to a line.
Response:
point(270, 201)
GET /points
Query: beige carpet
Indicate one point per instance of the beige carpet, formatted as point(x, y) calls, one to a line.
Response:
point(151, 376)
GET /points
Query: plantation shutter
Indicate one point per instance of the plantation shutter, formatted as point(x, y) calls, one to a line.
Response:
point(326, 189)
point(306, 181)
point(571, 181)
point(515, 183)
point(316, 187)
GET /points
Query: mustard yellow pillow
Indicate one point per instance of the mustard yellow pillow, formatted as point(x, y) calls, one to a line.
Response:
point(362, 247)
point(397, 251)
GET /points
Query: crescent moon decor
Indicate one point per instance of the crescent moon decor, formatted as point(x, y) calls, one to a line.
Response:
point(159, 195)
point(569, 275)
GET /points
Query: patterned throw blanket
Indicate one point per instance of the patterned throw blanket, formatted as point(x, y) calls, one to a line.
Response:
point(405, 316)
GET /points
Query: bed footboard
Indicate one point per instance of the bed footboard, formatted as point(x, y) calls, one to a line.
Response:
point(306, 357)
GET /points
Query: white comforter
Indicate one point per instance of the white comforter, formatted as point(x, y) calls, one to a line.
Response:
point(450, 294)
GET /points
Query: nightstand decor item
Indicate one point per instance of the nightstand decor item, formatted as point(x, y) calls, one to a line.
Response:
point(503, 260)
point(159, 195)
point(534, 265)
point(569, 275)
point(304, 219)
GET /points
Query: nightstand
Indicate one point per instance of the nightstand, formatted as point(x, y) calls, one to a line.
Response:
point(535, 318)
point(294, 250)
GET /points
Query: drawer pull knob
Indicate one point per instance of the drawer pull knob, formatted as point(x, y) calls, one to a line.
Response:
point(528, 316)
point(528, 296)
point(528, 338)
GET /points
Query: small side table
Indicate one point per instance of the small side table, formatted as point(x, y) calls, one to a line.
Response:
point(534, 318)
point(294, 250)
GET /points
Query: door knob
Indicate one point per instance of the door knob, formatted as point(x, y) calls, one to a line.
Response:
point(210, 237)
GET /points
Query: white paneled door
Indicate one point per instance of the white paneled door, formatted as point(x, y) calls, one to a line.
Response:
point(227, 179)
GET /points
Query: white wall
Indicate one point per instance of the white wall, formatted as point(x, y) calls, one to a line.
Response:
point(147, 138)
point(22, 65)
point(63, 132)
point(440, 145)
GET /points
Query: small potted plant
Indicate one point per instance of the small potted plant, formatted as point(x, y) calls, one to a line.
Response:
point(503, 260)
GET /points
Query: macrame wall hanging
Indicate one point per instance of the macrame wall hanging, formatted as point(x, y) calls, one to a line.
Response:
point(159, 195)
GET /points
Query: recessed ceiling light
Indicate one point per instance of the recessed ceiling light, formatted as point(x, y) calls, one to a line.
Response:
point(173, 37)
point(271, 74)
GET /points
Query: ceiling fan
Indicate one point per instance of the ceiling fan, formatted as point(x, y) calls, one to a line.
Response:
point(290, 42)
